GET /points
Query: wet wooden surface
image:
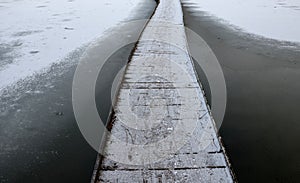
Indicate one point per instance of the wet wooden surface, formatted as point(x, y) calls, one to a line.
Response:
point(162, 129)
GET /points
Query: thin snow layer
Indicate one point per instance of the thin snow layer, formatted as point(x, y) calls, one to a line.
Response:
point(276, 19)
point(36, 34)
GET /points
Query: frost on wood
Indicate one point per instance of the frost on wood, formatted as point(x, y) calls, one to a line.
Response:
point(162, 130)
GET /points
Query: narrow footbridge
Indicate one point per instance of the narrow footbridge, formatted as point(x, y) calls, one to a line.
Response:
point(161, 129)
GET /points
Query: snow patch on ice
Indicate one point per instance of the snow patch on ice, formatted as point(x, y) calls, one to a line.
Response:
point(36, 34)
point(275, 19)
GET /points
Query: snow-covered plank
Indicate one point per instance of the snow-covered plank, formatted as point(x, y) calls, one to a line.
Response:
point(161, 128)
point(178, 161)
point(216, 175)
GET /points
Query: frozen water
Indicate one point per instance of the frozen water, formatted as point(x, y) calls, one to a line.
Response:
point(36, 34)
point(276, 19)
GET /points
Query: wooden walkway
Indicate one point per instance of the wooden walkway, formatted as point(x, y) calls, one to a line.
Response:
point(161, 128)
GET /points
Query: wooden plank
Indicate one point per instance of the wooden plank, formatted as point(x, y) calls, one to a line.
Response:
point(199, 160)
point(219, 175)
point(162, 129)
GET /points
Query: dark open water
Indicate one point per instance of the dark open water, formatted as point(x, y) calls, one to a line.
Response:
point(261, 129)
point(40, 142)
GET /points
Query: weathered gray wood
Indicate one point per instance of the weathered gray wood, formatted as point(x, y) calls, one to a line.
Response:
point(216, 175)
point(159, 97)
